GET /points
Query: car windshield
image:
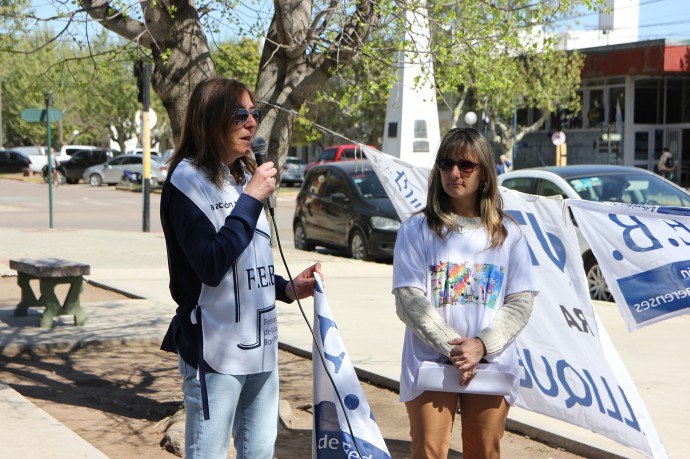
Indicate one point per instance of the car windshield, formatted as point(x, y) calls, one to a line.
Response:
point(629, 188)
point(327, 155)
point(369, 184)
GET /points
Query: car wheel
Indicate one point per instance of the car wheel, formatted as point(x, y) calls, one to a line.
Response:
point(95, 180)
point(598, 290)
point(358, 246)
point(300, 237)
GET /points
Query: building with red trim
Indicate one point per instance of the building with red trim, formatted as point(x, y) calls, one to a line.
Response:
point(635, 100)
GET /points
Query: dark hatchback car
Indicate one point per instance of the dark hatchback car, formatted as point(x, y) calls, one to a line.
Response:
point(344, 206)
point(73, 169)
point(13, 161)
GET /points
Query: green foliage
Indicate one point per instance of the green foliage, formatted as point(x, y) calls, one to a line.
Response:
point(474, 45)
point(238, 59)
point(94, 90)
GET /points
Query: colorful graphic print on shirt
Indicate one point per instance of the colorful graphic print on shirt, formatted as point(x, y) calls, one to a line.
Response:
point(458, 284)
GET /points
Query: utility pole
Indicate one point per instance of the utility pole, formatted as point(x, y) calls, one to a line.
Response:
point(2, 133)
point(143, 70)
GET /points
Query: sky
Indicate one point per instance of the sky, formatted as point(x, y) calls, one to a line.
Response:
point(668, 19)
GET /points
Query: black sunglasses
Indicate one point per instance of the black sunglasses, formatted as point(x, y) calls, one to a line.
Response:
point(241, 116)
point(465, 166)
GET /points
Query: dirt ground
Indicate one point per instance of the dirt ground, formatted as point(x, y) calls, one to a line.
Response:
point(120, 398)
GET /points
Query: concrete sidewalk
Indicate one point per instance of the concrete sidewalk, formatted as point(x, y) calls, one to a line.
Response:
point(360, 299)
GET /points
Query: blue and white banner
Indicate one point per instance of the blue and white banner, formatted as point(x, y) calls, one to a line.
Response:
point(570, 369)
point(331, 437)
point(644, 255)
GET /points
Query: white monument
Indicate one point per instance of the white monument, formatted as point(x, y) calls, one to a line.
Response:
point(412, 132)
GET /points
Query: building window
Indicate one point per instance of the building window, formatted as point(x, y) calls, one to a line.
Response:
point(595, 111)
point(641, 146)
point(392, 130)
point(677, 100)
point(420, 146)
point(616, 99)
point(420, 129)
point(649, 101)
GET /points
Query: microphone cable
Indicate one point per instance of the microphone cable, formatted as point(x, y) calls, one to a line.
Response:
point(315, 341)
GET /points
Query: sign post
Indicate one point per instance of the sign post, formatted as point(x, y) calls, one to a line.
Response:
point(558, 139)
point(143, 71)
point(37, 115)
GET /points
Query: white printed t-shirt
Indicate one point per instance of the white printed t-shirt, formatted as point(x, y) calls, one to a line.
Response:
point(465, 281)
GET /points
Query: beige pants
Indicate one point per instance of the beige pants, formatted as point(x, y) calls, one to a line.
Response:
point(432, 414)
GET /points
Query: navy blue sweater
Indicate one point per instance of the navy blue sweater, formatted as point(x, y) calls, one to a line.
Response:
point(198, 254)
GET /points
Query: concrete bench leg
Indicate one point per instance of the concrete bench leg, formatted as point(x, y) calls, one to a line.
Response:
point(72, 305)
point(28, 298)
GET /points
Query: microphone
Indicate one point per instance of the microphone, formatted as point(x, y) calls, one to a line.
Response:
point(260, 149)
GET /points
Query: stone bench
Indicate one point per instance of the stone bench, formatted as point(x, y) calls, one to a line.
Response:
point(50, 272)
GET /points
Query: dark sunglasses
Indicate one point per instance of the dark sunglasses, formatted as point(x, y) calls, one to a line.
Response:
point(241, 116)
point(465, 166)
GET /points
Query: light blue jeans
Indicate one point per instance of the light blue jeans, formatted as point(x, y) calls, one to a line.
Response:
point(247, 405)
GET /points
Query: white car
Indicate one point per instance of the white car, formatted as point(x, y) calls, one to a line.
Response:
point(112, 171)
point(597, 183)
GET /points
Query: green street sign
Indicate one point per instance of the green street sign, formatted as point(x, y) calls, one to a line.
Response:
point(39, 115)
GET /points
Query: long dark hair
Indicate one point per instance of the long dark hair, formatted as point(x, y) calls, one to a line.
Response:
point(208, 120)
point(466, 143)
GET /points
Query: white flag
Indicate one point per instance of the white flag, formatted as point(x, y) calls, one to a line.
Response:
point(332, 437)
point(644, 255)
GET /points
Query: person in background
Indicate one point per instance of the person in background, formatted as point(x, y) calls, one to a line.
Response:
point(503, 165)
point(222, 276)
point(666, 164)
point(464, 287)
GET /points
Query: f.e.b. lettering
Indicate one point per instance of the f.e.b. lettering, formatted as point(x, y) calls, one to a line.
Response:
point(260, 277)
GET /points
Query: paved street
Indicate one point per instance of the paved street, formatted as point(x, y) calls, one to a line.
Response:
point(355, 290)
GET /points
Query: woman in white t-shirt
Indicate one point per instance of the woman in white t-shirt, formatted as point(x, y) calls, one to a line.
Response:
point(464, 286)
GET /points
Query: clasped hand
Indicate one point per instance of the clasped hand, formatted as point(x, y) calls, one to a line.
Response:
point(465, 356)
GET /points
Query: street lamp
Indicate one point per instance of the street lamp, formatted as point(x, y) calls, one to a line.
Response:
point(75, 133)
point(470, 118)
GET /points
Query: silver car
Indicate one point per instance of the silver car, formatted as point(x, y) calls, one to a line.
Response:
point(293, 171)
point(597, 183)
point(112, 171)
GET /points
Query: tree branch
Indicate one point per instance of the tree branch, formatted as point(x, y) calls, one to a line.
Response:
point(113, 20)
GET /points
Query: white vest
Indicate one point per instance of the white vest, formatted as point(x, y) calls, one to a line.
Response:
point(239, 322)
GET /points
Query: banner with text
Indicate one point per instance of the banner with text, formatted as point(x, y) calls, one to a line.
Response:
point(644, 255)
point(331, 436)
point(570, 369)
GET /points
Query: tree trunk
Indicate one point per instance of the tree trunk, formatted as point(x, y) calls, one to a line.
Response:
point(177, 42)
point(181, 56)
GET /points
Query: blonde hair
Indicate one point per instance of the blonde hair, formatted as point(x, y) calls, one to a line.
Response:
point(461, 143)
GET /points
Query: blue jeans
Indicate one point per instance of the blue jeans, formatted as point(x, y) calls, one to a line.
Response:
point(247, 405)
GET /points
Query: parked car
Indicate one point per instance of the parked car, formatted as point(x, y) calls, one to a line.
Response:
point(72, 170)
point(140, 151)
point(66, 151)
point(344, 206)
point(338, 153)
point(293, 171)
point(13, 161)
point(597, 183)
point(167, 154)
point(37, 154)
point(112, 171)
